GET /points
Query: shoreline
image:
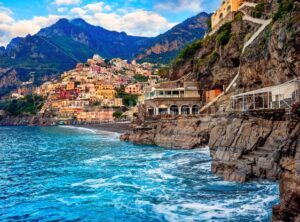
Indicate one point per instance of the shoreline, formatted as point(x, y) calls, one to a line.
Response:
point(115, 127)
point(120, 127)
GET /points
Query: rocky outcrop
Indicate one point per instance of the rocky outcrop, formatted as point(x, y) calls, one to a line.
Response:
point(29, 120)
point(242, 148)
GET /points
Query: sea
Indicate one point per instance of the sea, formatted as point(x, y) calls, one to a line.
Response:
point(77, 174)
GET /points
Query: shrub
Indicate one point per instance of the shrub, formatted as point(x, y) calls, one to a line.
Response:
point(223, 35)
point(30, 104)
point(163, 72)
point(118, 114)
point(140, 78)
point(258, 10)
point(209, 59)
point(187, 53)
point(285, 6)
point(128, 99)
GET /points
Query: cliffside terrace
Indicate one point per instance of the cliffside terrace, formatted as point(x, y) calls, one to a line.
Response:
point(275, 97)
point(173, 98)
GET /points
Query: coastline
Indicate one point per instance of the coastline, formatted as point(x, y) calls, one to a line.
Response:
point(117, 127)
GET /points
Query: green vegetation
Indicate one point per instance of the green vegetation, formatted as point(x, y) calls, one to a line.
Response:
point(208, 23)
point(238, 17)
point(187, 53)
point(258, 10)
point(223, 35)
point(163, 72)
point(285, 6)
point(128, 99)
point(30, 104)
point(140, 78)
point(118, 114)
point(209, 59)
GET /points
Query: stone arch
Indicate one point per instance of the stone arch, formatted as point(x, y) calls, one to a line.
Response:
point(229, 8)
point(221, 16)
point(195, 109)
point(185, 110)
point(174, 110)
point(162, 110)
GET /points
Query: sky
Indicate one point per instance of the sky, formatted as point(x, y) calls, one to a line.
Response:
point(19, 18)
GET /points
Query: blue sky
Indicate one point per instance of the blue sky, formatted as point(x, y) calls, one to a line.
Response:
point(136, 17)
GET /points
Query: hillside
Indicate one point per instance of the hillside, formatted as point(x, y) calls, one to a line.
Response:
point(165, 47)
point(57, 48)
point(272, 58)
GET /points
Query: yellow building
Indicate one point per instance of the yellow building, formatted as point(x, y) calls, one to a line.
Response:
point(105, 91)
point(225, 13)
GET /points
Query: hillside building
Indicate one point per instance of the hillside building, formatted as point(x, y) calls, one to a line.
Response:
point(225, 13)
point(173, 98)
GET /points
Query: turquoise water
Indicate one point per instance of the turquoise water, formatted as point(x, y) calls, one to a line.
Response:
point(69, 174)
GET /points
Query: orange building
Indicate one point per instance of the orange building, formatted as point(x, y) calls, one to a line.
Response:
point(71, 85)
point(225, 13)
point(211, 94)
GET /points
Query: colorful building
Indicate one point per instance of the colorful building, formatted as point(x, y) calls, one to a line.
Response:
point(134, 89)
point(225, 13)
point(211, 94)
point(173, 98)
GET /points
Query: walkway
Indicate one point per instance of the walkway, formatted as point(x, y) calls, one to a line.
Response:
point(264, 24)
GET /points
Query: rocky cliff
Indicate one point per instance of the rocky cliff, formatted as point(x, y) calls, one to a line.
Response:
point(272, 58)
point(242, 147)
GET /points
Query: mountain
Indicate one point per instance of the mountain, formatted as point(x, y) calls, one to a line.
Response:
point(43, 56)
point(165, 47)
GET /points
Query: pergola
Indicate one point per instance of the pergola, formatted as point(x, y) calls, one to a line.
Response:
point(274, 97)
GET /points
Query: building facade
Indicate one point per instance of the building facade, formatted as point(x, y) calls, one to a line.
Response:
point(173, 98)
point(225, 13)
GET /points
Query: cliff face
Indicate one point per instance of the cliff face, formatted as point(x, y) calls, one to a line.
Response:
point(272, 58)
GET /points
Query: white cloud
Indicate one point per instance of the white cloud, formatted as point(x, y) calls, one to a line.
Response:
point(180, 5)
point(24, 27)
point(95, 7)
point(5, 18)
point(67, 2)
point(62, 10)
point(139, 23)
point(133, 22)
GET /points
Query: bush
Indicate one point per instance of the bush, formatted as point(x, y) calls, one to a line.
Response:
point(209, 59)
point(187, 53)
point(223, 35)
point(30, 104)
point(128, 99)
point(163, 72)
point(118, 114)
point(285, 6)
point(258, 10)
point(140, 78)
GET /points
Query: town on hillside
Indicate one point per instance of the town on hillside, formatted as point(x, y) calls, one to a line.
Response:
point(96, 91)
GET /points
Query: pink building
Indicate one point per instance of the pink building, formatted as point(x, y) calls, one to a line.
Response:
point(134, 89)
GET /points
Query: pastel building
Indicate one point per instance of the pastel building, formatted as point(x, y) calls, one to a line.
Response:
point(225, 13)
point(134, 89)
